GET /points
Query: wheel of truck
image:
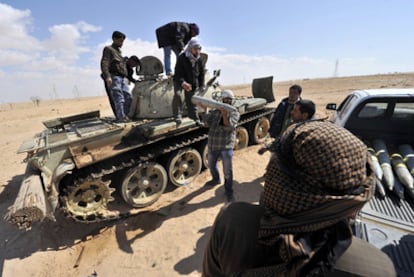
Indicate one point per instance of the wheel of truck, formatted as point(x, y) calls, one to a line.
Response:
point(204, 153)
point(259, 130)
point(183, 166)
point(144, 184)
point(242, 138)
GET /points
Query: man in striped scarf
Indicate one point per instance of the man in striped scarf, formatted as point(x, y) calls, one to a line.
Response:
point(315, 184)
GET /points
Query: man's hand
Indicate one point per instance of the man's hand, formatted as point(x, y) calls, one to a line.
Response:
point(204, 107)
point(224, 112)
point(186, 86)
point(108, 81)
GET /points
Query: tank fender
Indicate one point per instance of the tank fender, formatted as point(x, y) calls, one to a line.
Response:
point(52, 181)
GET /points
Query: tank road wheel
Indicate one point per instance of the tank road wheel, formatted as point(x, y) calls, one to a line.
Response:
point(89, 199)
point(184, 166)
point(144, 184)
point(242, 138)
point(204, 153)
point(259, 130)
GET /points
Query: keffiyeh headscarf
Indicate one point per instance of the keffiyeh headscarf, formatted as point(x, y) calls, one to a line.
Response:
point(193, 43)
point(319, 178)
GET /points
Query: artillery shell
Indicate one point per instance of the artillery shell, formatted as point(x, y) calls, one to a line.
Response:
point(407, 153)
point(379, 188)
point(375, 164)
point(398, 188)
point(384, 160)
point(401, 171)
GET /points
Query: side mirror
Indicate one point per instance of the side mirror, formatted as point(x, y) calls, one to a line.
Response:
point(331, 106)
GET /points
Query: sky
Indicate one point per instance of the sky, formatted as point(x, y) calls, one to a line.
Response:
point(51, 49)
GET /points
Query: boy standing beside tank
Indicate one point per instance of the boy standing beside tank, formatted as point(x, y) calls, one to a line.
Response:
point(114, 71)
point(221, 139)
point(189, 76)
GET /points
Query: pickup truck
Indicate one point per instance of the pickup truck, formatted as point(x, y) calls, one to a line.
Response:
point(387, 221)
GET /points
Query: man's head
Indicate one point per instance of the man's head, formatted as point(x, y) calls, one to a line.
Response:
point(133, 61)
point(195, 30)
point(318, 166)
point(227, 96)
point(195, 47)
point(118, 38)
point(294, 93)
point(302, 110)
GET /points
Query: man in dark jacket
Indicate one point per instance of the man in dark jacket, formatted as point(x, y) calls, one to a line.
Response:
point(189, 76)
point(114, 71)
point(174, 36)
point(302, 110)
point(131, 63)
point(282, 115)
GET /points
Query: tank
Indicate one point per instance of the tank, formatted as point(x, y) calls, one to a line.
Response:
point(95, 169)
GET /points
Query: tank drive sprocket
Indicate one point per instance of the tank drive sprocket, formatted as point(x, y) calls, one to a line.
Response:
point(88, 199)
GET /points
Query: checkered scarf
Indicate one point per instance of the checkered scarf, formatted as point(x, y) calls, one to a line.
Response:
point(319, 177)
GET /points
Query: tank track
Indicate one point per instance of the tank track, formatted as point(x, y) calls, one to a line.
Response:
point(134, 158)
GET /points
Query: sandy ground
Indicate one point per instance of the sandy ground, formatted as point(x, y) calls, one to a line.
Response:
point(168, 241)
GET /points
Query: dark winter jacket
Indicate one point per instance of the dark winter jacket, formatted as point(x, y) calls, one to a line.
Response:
point(184, 72)
point(278, 118)
point(174, 34)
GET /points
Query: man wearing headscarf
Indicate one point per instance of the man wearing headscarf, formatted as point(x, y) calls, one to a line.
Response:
point(222, 125)
point(315, 184)
point(189, 76)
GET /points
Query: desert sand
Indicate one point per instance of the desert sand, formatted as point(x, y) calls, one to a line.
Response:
point(169, 240)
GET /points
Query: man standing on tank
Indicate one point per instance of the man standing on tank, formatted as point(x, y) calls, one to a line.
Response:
point(189, 76)
point(174, 36)
point(114, 71)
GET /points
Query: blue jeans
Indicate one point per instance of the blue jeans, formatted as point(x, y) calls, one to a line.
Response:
point(226, 158)
point(167, 58)
point(120, 96)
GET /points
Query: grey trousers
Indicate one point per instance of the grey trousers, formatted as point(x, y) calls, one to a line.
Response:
point(233, 249)
point(177, 104)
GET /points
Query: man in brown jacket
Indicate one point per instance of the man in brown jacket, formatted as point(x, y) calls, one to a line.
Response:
point(114, 71)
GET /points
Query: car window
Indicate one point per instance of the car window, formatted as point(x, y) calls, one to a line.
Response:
point(346, 105)
point(404, 111)
point(371, 110)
